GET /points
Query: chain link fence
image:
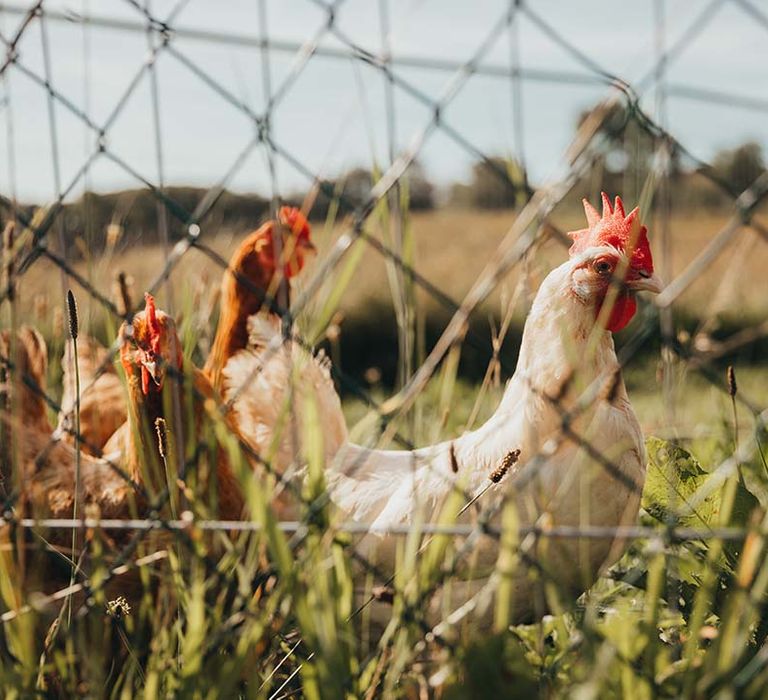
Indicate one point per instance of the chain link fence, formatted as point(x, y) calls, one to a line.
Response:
point(40, 236)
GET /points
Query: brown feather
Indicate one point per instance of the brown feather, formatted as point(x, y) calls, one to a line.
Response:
point(254, 261)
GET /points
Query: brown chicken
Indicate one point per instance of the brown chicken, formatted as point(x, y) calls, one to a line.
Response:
point(23, 367)
point(150, 354)
point(45, 476)
point(165, 403)
point(250, 281)
point(102, 396)
point(43, 484)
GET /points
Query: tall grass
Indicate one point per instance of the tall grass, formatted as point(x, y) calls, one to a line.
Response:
point(270, 613)
point(277, 613)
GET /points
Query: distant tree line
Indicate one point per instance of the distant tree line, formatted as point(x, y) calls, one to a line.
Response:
point(495, 183)
point(633, 157)
point(134, 215)
point(350, 191)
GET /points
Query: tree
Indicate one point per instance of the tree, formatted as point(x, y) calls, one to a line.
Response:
point(352, 189)
point(739, 167)
point(497, 183)
point(135, 214)
point(421, 193)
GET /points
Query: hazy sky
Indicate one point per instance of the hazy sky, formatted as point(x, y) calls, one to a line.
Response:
point(334, 115)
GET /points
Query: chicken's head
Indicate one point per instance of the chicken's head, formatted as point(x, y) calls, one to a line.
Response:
point(611, 262)
point(258, 256)
point(150, 346)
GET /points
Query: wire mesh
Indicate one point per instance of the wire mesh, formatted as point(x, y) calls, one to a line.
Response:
point(43, 238)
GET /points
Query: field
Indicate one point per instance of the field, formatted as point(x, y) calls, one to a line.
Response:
point(269, 613)
point(733, 294)
point(458, 454)
point(450, 249)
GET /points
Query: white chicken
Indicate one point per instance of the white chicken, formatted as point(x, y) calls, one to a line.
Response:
point(581, 459)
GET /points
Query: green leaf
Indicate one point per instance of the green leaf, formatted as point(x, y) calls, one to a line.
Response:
point(673, 477)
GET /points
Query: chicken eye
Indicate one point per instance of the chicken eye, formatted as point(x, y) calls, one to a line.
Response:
point(602, 267)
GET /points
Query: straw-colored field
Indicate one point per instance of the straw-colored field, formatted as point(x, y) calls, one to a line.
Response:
point(450, 249)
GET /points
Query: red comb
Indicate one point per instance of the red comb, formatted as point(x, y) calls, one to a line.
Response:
point(295, 220)
point(152, 323)
point(617, 229)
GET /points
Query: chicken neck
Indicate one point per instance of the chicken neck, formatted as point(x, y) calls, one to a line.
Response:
point(238, 303)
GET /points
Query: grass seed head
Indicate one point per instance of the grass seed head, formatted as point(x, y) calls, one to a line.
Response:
point(8, 232)
point(162, 436)
point(510, 459)
point(72, 313)
point(123, 285)
point(118, 608)
point(454, 461)
point(50, 636)
point(731, 375)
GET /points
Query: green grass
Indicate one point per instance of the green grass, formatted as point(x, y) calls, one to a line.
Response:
point(267, 613)
point(236, 617)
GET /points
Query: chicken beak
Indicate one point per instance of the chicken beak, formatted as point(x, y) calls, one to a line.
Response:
point(154, 371)
point(308, 247)
point(646, 284)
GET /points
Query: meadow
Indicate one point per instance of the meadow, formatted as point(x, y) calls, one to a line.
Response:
point(449, 247)
point(269, 613)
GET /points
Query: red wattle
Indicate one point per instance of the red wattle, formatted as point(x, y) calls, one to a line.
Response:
point(624, 308)
point(145, 380)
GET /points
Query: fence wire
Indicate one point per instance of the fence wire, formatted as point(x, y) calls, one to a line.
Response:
point(42, 236)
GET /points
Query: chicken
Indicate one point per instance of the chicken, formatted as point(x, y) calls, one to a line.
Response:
point(150, 350)
point(46, 466)
point(564, 432)
point(254, 367)
point(46, 476)
point(250, 281)
point(102, 396)
point(23, 368)
point(150, 353)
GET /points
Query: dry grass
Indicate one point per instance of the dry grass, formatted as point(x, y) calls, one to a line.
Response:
point(452, 248)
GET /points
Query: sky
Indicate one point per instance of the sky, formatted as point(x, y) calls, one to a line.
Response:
point(330, 113)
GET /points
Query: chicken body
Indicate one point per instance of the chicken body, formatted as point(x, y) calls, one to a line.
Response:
point(23, 366)
point(565, 415)
point(269, 386)
point(102, 396)
point(46, 478)
point(267, 380)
